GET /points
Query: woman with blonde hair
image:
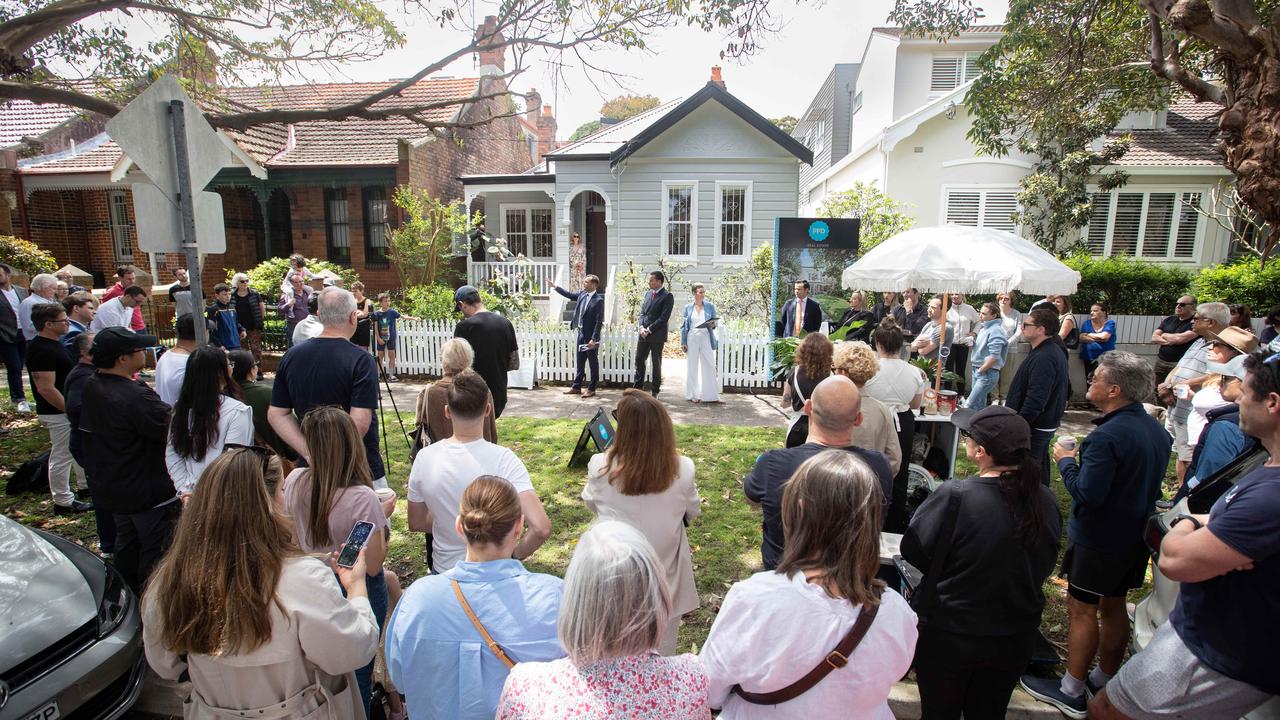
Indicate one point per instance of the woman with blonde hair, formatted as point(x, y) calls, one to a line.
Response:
point(262, 629)
point(436, 633)
point(642, 480)
point(329, 497)
point(879, 427)
point(812, 365)
point(611, 618)
point(778, 626)
point(456, 355)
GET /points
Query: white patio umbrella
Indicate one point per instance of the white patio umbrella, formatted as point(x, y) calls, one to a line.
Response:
point(960, 259)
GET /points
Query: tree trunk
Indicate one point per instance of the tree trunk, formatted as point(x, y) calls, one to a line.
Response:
point(1250, 138)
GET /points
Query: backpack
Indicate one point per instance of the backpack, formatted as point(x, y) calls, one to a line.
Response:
point(33, 476)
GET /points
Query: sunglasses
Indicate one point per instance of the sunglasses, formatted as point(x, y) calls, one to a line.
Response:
point(263, 453)
point(1181, 304)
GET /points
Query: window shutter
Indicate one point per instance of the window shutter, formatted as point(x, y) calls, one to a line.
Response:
point(1098, 218)
point(971, 65)
point(946, 73)
point(1188, 225)
point(998, 210)
point(962, 208)
point(1155, 236)
point(1124, 236)
point(542, 220)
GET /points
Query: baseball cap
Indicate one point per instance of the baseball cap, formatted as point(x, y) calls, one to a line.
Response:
point(995, 427)
point(466, 293)
point(111, 343)
point(1238, 339)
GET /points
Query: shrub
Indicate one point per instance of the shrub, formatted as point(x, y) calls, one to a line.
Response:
point(1240, 282)
point(435, 302)
point(25, 256)
point(268, 274)
point(745, 290)
point(1128, 286)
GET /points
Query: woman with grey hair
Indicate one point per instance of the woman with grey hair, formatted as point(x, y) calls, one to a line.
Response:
point(819, 636)
point(614, 607)
point(43, 289)
point(456, 355)
point(249, 312)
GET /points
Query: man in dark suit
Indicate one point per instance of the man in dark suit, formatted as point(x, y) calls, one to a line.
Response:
point(654, 314)
point(588, 318)
point(801, 312)
point(13, 345)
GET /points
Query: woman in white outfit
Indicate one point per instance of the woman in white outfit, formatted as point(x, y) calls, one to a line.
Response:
point(700, 344)
point(206, 418)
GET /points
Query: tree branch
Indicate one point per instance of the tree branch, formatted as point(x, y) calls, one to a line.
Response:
point(1169, 67)
point(47, 94)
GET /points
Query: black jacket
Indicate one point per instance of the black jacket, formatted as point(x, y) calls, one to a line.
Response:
point(1039, 388)
point(990, 583)
point(125, 425)
point(655, 312)
point(9, 325)
point(588, 319)
point(863, 333)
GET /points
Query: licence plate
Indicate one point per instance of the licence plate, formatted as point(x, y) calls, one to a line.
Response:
point(48, 712)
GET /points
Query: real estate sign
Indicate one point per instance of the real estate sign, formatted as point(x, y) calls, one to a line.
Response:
point(813, 249)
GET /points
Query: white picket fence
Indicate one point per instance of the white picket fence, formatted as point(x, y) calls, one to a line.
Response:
point(742, 359)
point(481, 274)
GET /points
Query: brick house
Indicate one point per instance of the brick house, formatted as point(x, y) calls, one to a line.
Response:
point(323, 189)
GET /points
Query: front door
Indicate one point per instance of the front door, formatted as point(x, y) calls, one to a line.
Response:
point(597, 241)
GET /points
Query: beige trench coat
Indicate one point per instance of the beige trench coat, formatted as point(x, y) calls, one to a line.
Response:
point(320, 638)
point(879, 431)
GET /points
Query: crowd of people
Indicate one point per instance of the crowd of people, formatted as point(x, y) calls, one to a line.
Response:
point(226, 500)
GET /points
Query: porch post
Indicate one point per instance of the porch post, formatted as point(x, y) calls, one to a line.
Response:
point(264, 201)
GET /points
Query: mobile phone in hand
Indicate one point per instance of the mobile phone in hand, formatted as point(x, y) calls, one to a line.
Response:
point(356, 540)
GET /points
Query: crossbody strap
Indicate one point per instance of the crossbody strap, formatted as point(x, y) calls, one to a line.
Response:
point(834, 660)
point(494, 647)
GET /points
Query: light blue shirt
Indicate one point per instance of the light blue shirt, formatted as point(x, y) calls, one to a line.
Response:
point(991, 341)
point(435, 655)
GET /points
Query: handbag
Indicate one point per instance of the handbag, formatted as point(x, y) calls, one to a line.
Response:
point(494, 647)
point(834, 660)
point(798, 428)
point(1073, 338)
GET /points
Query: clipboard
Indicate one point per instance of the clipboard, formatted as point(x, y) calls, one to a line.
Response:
point(708, 321)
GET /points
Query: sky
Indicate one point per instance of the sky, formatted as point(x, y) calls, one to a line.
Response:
point(780, 79)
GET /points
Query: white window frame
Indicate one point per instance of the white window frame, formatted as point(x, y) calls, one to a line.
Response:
point(663, 248)
point(965, 77)
point(983, 191)
point(1146, 191)
point(120, 225)
point(746, 219)
point(528, 220)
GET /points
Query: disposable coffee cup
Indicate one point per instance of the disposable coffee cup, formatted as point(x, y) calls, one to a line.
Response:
point(385, 494)
point(1067, 442)
point(1182, 392)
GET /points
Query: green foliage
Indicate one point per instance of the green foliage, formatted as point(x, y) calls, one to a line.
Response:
point(422, 247)
point(513, 290)
point(833, 306)
point(629, 285)
point(25, 256)
point(626, 106)
point(930, 369)
point(435, 302)
point(882, 216)
point(786, 123)
point(745, 290)
point(1126, 285)
point(1245, 282)
point(267, 276)
point(591, 127)
point(784, 356)
point(673, 271)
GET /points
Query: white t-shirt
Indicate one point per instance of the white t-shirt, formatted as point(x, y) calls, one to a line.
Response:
point(896, 384)
point(12, 296)
point(309, 328)
point(235, 425)
point(440, 474)
point(112, 313)
point(962, 319)
point(171, 368)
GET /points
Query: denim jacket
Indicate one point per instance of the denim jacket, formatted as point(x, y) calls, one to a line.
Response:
point(991, 341)
point(708, 311)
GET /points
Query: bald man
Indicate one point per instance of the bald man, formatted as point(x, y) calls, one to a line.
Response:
point(834, 409)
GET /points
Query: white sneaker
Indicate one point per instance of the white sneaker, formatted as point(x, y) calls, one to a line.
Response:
point(24, 406)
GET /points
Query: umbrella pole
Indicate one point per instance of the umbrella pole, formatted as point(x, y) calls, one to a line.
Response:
point(942, 342)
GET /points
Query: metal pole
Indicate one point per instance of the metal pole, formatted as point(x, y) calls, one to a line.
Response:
point(186, 205)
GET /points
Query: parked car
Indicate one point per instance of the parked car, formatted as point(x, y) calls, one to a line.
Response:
point(70, 633)
point(1154, 609)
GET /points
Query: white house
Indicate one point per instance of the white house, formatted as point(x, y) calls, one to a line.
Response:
point(907, 130)
point(699, 180)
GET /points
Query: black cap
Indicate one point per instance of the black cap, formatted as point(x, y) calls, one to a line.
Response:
point(111, 343)
point(995, 427)
point(467, 294)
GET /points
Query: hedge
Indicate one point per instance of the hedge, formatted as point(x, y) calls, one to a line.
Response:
point(1240, 282)
point(25, 256)
point(1128, 286)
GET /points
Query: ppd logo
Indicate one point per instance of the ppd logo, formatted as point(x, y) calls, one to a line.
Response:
point(819, 231)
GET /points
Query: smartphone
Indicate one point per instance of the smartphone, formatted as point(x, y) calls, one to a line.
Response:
point(356, 540)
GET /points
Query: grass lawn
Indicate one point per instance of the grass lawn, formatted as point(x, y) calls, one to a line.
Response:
point(725, 539)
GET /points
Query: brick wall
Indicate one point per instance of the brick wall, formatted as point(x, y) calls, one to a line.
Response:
point(75, 225)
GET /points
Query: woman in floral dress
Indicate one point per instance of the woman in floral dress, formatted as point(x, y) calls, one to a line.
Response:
point(577, 262)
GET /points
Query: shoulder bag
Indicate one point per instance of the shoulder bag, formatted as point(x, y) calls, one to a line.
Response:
point(494, 647)
point(798, 428)
point(836, 659)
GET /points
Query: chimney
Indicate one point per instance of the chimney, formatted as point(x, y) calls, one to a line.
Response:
point(532, 103)
point(546, 132)
point(716, 79)
point(492, 62)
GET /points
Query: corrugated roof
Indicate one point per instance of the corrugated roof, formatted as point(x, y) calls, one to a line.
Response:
point(1189, 138)
point(23, 118)
point(612, 137)
point(971, 30)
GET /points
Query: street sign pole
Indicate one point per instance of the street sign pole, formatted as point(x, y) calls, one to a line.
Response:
point(186, 207)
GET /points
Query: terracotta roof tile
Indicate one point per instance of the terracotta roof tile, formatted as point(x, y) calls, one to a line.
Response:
point(97, 155)
point(1189, 138)
point(23, 118)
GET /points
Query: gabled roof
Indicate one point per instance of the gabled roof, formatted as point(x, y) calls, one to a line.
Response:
point(618, 142)
point(1188, 138)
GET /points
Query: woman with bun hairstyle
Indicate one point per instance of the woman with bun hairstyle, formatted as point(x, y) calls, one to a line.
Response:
point(901, 386)
point(437, 652)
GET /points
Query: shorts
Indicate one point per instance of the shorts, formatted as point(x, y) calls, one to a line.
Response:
point(1092, 575)
point(1167, 680)
point(389, 344)
point(1178, 430)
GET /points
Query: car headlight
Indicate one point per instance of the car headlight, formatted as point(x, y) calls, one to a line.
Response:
point(115, 603)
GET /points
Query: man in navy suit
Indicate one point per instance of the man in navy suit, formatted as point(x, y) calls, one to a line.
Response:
point(655, 311)
point(801, 312)
point(588, 318)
